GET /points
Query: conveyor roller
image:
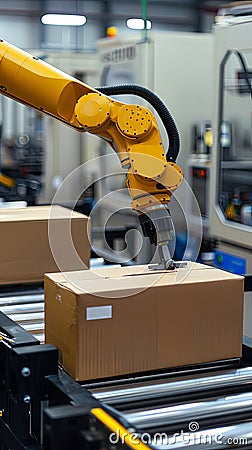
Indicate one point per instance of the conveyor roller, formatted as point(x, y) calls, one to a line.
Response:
point(220, 410)
point(228, 381)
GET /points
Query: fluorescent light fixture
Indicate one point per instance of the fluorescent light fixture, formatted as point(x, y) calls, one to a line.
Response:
point(63, 19)
point(138, 24)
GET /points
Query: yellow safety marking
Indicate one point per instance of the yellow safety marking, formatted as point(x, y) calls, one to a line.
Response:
point(5, 338)
point(126, 437)
point(6, 181)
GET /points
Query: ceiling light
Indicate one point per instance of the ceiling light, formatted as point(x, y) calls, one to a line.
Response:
point(138, 24)
point(63, 19)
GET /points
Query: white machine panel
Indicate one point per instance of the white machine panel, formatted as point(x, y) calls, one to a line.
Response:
point(231, 181)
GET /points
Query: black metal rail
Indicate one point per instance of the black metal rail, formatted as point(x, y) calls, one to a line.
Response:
point(41, 407)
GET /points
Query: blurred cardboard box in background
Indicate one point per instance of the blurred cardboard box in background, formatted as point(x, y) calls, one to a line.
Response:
point(25, 248)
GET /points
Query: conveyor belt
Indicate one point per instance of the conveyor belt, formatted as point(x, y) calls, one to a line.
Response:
point(218, 401)
point(221, 410)
point(26, 307)
point(227, 381)
point(190, 424)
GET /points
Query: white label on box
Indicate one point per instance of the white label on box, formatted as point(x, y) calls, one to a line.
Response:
point(99, 312)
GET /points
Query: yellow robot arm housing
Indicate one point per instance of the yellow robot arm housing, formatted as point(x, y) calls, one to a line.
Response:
point(131, 130)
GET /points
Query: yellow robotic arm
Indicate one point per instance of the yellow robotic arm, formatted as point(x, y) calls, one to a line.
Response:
point(131, 130)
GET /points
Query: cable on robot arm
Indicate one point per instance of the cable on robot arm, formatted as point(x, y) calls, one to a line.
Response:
point(158, 105)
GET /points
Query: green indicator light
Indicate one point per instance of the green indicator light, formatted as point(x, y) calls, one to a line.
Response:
point(220, 259)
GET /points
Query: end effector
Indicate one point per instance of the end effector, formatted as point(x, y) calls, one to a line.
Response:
point(157, 225)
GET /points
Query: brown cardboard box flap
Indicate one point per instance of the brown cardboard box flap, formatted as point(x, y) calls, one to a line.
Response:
point(37, 213)
point(119, 271)
point(134, 278)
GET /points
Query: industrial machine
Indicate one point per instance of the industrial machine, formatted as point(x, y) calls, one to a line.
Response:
point(21, 153)
point(185, 84)
point(231, 186)
point(185, 80)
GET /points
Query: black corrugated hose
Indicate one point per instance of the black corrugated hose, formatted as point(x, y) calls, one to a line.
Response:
point(158, 105)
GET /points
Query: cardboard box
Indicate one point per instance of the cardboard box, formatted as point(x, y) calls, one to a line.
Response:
point(27, 234)
point(112, 322)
